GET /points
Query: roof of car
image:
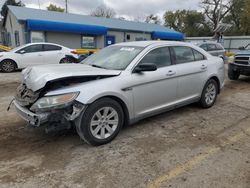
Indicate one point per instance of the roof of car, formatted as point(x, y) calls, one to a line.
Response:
point(153, 42)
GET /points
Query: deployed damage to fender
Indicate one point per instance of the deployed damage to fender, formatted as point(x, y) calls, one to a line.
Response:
point(58, 111)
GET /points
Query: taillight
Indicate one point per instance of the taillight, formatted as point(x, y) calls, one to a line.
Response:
point(73, 52)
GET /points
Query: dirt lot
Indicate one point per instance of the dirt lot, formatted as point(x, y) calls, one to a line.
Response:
point(188, 147)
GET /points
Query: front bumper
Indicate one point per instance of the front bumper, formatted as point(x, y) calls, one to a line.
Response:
point(242, 69)
point(32, 118)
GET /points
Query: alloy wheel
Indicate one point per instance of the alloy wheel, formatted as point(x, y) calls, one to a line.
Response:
point(104, 123)
point(210, 94)
point(8, 66)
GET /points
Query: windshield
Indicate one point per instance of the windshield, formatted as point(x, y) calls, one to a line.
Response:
point(113, 57)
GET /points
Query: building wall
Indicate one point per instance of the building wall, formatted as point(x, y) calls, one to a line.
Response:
point(100, 41)
point(119, 36)
point(66, 39)
point(11, 26)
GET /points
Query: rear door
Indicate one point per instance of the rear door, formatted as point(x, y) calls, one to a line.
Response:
point(54, 54)
point(153, 91)
point(191, 67)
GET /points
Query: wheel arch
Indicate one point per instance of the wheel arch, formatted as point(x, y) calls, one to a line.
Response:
point(10, 60)
point(217, 81)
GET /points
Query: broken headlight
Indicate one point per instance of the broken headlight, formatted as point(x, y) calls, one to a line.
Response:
point(56, 101)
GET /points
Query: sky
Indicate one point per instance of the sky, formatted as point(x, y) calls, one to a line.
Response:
point(129, 9)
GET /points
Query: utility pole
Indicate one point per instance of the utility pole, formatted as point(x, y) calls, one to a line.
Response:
point(66, 6)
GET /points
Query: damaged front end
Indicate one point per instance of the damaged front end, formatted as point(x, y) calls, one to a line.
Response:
point(57, 112)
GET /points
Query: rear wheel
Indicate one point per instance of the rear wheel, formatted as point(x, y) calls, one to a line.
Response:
point(209, 94)
point(101, 122)
point(8, 65)
point(233, 75)
point(66, 60)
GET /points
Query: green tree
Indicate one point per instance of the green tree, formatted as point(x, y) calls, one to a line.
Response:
point(4, 9)
point(192, 23)
point(53, 7)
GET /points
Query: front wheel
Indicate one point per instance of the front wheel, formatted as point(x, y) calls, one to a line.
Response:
point(209, 94)
point(233, 75)
point(8, 66)
point(101, 122)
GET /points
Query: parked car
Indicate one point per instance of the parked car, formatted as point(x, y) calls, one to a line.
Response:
point(214, 48)
point(120, 84)
point(33, 54)
point(241, 64)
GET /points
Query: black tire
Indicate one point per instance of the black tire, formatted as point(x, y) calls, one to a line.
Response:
point(8, 66)
point(203, 101)
point(65, 61)
point(233, 75)
point(84, 126)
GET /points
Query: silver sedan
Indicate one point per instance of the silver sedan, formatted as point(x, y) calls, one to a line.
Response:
point(119, 85)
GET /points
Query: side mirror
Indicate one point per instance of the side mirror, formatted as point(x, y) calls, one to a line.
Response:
point(22, 52)
point(146, 67)
point(242, 48)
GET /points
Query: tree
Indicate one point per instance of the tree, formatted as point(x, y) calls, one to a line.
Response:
point(53, 7)
point(4, 9)
point(103, 11)
point(192, 23)
point(216, 10)
point(154, 19)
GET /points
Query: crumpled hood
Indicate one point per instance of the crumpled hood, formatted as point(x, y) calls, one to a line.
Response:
point(36, 77)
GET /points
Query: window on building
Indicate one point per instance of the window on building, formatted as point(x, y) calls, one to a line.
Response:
point(17, 40)
point(9, 42)
point(88, 42)
point(37, 36)
point(160, 57)
point(128, 37)
point(183, 54)
point(49, 47)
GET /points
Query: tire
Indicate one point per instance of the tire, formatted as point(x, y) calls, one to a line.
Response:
point(65, 60)
point(8, 66)
point(100, 132)
point(209, 94)
point(233, 75)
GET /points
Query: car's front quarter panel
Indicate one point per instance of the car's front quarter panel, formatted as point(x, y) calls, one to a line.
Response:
point(94, 90)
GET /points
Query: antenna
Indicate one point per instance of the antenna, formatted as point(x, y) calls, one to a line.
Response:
point(66, 6)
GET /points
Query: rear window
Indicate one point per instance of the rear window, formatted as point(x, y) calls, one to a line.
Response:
point(49, 47)
point(219, 47)
point(211, 47)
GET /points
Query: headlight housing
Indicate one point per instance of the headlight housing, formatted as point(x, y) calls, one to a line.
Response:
point(54, 102)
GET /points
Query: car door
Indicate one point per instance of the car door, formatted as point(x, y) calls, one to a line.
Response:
point(30, 55)
point(54, 54)
point(156, 90)
point(212, 49)
point(191, 67)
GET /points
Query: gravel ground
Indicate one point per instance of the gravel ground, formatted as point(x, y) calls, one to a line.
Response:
point(187, 147)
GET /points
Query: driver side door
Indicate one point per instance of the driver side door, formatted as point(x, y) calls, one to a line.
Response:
point(156, 90)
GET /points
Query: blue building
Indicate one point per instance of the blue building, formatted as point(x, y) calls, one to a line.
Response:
point(24, 25)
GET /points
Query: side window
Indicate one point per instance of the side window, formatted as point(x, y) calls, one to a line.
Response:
point(32, 48)
point(204, 47)
point(183, 54)
point(49, 47)
point(219, 47)
point(198, 56)
point(160, 57)
point(211, 47)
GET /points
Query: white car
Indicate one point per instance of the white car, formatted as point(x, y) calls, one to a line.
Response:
point(34, 54)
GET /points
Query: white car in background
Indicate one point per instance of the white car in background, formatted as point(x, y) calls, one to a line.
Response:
point(34, 54)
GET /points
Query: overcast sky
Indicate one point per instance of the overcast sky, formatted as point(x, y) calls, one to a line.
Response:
point(125, 8)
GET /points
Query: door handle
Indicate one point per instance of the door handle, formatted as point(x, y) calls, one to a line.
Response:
point(171, 73)
point(203, 67)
